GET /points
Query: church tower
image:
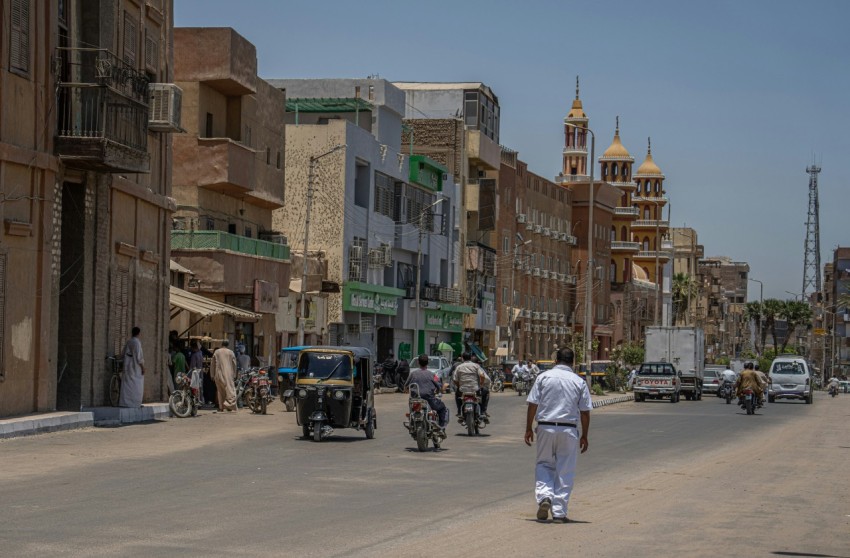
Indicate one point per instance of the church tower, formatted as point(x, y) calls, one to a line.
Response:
point(575, 144)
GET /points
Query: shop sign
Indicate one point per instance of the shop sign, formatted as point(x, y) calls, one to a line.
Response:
point(439, 320)
point(359, 298)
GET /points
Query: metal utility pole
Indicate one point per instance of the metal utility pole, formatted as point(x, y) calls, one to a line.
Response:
point(311, 171)
point(761, 311)
point(422, 216)
point(511, 321)
point(811, 256)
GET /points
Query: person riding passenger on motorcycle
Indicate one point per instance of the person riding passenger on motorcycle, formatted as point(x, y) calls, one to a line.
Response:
point(833, 385)
point(429, 385)
point(749, 380)
point(471, 378)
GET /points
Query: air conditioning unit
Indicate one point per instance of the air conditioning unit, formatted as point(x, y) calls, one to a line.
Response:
point(527, 271)
point(529, 226)
point(526, 326)
point(520, 217)
point(538, 229)
point(535, 315)
point(546, 231)
point(164, 111)
point(562, 236)
point(178, 224)
point(388, 254)
point(552, 329)
point(560, 317)
point(536, 272)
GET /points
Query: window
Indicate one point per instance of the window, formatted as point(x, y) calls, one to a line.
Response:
point(504, 295)
point(208, 126)
point(19, 37)
point(604, 171)
point(231, 228)
point(384, 195)
point(278, 160)
point(151, 54)
point(361, 185)
point(248, 232)
point(614, 169)
point(131, 39)
point(506, 245)
point(210, 223)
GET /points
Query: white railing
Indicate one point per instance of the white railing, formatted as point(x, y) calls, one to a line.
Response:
point(627, 211)
point(663, 224)
point(624, 245)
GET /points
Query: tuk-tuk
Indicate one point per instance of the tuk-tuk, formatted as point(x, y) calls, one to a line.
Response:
point(286, 375)
point(333, 389)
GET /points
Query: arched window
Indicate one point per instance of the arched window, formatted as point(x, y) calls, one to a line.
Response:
point(613, 233)
point(625, 170)
point(604, 170)
point(614, 169)
point(657, 187)
point(624, 234)
point(646, 244)
point(646, 213)
point(612, 275)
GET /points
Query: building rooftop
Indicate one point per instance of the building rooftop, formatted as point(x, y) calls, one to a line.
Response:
point(336, 104)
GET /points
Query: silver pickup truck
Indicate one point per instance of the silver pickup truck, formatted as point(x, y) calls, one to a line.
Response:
point(656, 380)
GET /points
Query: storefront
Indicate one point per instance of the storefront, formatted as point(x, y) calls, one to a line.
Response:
point(369, 313)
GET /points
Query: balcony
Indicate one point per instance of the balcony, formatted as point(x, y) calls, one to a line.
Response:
point(481, 149)
point(102, 112)
point(569, 150)
point(630, 186)
point(650, 254)
point(437, 293)
point(227, 166)
point(568, 178)
point(219, 240)
point(650, 224)
point(626, 211)
point(624, 246)
point(661, 200)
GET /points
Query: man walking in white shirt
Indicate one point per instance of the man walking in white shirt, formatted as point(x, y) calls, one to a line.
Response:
point(558, 400)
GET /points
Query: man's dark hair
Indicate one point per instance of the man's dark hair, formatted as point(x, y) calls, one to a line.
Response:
point(423, 360)
point(749, 366)
point(756, 366)
point(565, 355)
point(466, 356)
point(225, 343)
point(135, 331)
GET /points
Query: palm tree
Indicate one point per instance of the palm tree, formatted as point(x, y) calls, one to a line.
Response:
point(753, 313)
point(795, 313)
point(843, 301)
point(771, 310)
point(683, 289)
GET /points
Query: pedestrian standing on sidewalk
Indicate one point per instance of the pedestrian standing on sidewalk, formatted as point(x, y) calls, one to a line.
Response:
point(223, 371)
point(558, 400)
point(133, 375)
point(196, 360)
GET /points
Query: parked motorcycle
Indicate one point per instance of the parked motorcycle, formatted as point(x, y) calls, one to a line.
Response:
point(748, 401)
point(185, 400)
point(471, 416)
point(257, 394)
point(497, 378)
point(726, 391)
point(424, 423)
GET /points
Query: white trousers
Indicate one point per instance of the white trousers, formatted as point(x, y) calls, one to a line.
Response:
point(557, 453)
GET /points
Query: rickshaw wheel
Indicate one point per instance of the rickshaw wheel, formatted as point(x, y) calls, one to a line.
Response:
point(290, 405)
point(317, 432)
point(370, 426)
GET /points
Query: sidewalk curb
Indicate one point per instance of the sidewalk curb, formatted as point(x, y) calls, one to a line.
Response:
point(118, 416)
point(612, 400)
point(29, 425)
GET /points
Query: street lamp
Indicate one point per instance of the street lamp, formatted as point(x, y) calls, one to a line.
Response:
point(588, 296)
point(310, 176)
point(511, 333)
point(761, 307)
point(795, 295)
point(419, 271)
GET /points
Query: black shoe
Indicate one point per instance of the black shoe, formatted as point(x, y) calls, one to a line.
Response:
point(543, 509)
point(561, 520)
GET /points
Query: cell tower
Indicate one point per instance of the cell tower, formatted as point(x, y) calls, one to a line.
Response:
point(811, 265)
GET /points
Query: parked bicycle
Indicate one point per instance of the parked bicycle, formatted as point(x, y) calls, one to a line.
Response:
point(117, 365)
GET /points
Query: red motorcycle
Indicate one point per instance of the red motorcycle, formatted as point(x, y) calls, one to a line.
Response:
point(257, 394)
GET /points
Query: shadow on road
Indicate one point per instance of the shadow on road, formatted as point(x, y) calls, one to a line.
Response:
point(430, 450)
point(789, 553)
point(532, 520)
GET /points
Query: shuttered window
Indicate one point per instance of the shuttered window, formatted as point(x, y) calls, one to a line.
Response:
point(131, 39)
point(19, 38)
point(119, 329)
point(151, 53)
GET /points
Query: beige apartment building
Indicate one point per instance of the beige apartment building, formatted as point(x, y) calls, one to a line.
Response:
point(84, 178)
point(228, 178)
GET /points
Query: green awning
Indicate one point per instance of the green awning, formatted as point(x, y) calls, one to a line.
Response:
point(322, 104)
point(443, 346)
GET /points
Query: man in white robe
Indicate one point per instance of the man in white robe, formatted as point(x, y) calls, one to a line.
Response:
point(223, 371)
point(133, 375)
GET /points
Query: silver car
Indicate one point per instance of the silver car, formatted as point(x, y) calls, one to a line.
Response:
point(439, 365)
point(712, 380)
point(790, 378)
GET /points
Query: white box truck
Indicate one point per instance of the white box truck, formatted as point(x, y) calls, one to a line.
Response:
point(684, 348)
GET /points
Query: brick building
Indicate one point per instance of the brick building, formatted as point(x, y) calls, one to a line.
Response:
point(85, 169)
point(722, 297)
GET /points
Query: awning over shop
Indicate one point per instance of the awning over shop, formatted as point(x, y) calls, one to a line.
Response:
point(476, 351)
point(174, 266)
point(203, 306)
point(502, 351)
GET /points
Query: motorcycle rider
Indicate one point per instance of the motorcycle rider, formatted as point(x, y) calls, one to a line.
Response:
point(748, 380)
point(833, 385)
point(728, 375)
point(518, 370)
point(762, 380)
point(471, 378)
point(533, 368)
point(429, 385)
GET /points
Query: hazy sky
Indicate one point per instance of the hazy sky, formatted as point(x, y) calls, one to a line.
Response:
point(738, 96)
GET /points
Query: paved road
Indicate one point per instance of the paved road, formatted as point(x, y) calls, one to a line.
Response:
point(659, 479)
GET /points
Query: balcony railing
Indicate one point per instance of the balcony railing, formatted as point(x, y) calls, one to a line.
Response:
point(644, 223)
point(441, 294)
point(627, 211)
point(647, 254)
point(219, 240)
point(624, 245)
point(660, 199)
point(102, 112)
point(566, 178)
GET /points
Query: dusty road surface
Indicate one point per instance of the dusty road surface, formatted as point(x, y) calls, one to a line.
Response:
point(690, 479)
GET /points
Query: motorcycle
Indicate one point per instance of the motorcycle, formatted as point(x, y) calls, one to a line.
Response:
point(833, 391)
point(257, 394)
point(424, 423)
point(185, 400)
point(749, 401)
point(523, 383)
point(471, 416)
point(726, 391)
point(497, 378)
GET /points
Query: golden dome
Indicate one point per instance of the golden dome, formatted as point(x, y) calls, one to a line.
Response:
point(577, 111)
point(638, 273)
point(617, 150)
point(648, 167)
